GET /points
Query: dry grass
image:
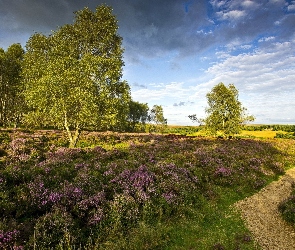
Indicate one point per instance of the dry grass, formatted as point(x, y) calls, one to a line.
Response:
point(267, 134)
point(261, 134)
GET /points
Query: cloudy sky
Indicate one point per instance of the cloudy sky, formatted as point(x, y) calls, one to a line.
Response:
point(177, 50)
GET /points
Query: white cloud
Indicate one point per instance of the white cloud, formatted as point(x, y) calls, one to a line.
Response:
point(231, 15)
point(249, 4)
point(266, 39)
point(161, 91)
point(291, 7)
point(265, 79)
point(281, 2)
point(203, 32)
point(234, 10)
point(217, 3)
point(246, 46)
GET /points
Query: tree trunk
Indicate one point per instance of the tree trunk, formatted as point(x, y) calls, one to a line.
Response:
point(73, 138)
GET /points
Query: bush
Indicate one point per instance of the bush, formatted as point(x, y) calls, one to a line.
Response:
point(285, 136)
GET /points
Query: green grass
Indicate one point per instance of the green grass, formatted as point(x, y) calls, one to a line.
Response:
point(217, 226)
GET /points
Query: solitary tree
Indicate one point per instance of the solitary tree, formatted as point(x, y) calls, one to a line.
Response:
point(225, 113)
point(10, 84)
point(72, 77)
point(156, 117)
point(138, 114)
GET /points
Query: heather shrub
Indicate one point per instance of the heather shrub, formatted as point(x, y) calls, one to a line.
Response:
point(8, 240)
point(123, 213)
point(53, 229)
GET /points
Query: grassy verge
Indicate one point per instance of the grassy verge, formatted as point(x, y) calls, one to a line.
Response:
point(287, 208)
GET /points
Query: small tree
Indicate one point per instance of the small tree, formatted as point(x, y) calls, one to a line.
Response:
point(138, 114)
point(156, 117)
point(225, 113)
point(72, 77)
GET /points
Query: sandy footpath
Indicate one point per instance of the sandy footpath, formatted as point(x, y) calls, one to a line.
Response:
point(262, 217)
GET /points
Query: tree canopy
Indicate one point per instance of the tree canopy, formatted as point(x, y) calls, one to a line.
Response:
point(225, 113)
point(138, 114)
point(10, 84)
point(72, 77)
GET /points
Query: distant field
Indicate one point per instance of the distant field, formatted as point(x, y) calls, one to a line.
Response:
point(261, 134)
point(197, 131)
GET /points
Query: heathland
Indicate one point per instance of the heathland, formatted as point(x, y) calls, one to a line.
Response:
point(132, 191)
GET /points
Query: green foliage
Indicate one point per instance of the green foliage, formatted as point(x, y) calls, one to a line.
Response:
point(183, 130)
point(72, 77)
point(4, 137)
point(287, 208)
point(276, 127)
point(138, 116)
point(11, 101)
point(285, 135)
point(52, 229)
point(225, 114)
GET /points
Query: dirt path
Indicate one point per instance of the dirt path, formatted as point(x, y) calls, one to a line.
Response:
point(262, 218)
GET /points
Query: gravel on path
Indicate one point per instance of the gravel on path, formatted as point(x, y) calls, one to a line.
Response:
point(262, 218)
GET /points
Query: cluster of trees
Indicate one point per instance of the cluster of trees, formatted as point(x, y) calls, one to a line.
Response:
point(225, 114)
point(275, 127)
point(71, 79)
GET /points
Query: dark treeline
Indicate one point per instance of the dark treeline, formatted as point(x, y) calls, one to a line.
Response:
point(278, 127)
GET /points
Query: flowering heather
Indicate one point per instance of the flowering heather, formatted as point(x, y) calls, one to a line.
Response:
point(222, 171)
point(19, 149)
point(18, 145)
point(8, 239)
point(139, 183)
point(62, 155)
point(100, 193)
point(170, 197)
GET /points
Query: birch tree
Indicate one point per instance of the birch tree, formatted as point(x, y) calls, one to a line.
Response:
point(225, 113)
point(73, 76)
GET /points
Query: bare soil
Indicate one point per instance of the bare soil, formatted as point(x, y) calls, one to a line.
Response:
point(263, 219)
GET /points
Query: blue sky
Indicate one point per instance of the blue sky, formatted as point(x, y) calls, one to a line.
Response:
point(176, 51)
